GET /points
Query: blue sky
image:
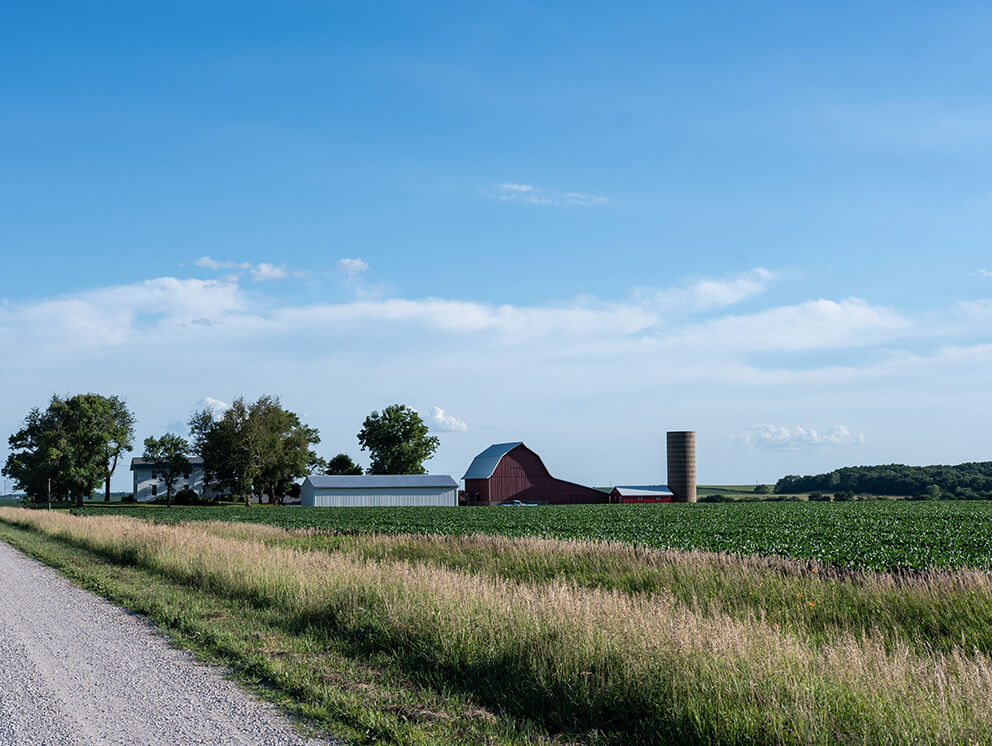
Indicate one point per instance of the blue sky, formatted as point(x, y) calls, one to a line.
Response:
point(575, 224)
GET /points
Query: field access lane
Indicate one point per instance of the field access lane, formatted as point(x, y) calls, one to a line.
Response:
point(74, 669)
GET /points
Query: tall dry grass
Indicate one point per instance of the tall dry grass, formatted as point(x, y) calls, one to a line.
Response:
point(935, 609)
point(643, 668)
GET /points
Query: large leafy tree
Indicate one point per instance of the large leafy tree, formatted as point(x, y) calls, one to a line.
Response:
point(397, 440)
point(257, 448)
point(66, 449)
point(171, 454)
point(118, 423)
point(285, 447)
point(342, 464)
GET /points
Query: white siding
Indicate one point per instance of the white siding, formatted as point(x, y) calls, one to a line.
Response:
point(143, 483)
point(306, 494)
point(326, 498)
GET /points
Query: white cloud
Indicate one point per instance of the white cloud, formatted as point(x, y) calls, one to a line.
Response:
point(109, 316)
point(259, 272)
point(707, 294)
point(530, 194)
point(216, 406)
point(574, 198)
point(447, 422)
point(208, 263)
point(266, 271)
point(777, 436)
point(352, 266)
point(984, 273)
point(815, 324)
point(648, 326)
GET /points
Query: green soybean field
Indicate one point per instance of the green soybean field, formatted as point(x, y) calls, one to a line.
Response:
point(879, 535)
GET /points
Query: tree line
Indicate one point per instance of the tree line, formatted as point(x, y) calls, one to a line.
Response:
point(250, 449)
point(970, 481)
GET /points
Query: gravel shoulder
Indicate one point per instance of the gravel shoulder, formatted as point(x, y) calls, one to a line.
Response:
point(75, 669)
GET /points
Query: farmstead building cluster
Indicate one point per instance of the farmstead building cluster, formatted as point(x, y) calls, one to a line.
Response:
point(502, 473)
point(506, 472)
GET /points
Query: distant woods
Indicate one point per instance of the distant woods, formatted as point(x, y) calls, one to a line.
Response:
point(971, 481)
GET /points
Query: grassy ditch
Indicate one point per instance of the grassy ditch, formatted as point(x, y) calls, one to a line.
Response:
point(305, 672)
point(587, 664)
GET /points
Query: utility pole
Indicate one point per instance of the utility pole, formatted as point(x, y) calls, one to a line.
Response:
point(49, 493)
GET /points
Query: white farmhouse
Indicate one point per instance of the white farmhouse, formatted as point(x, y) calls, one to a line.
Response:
point(148, 482)
point(379, 490)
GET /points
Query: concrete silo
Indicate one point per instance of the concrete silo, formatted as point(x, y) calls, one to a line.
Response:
point(682, 466)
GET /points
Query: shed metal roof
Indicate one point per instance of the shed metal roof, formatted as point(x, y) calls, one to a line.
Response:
point(483, 465)
point(644, 490)
point(381, 481)
point(147, 463)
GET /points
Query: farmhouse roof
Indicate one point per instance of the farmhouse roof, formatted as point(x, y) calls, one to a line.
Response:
point(645, 490)
point(147, 463)
point(483, 465)
point(380, 481)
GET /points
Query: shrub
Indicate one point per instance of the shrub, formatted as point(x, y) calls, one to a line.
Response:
point(763, 489)
point(186, 496)
point(819, 497)
point(129, 498)
point(717, 498)
point(843, 496)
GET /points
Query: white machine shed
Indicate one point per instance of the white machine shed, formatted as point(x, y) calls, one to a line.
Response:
point(378, 490)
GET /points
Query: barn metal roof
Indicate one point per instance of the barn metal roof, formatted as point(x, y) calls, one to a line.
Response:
point(645, 490)
point(380, 481)
point(483, 465)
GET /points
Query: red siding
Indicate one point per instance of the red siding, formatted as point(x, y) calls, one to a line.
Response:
point(520, 475)
point(616, 497)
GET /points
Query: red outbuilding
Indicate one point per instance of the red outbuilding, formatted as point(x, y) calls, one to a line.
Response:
point(512, 471)
point(651, 493)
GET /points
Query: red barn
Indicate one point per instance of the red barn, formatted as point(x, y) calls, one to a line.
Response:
point(512, 471)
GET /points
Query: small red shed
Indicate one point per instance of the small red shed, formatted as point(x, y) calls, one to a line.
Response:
point(652, 493)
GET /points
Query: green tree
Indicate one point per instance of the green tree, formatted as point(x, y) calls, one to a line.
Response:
point(257, 448)
point(342, 464)
point(118, 424)
point(284, 452)
point(65, 450)
point(171, 455)
point(397, 441)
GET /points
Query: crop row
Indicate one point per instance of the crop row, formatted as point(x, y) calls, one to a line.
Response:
point(880, 535)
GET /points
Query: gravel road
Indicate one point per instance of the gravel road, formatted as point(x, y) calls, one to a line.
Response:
point(74, 669)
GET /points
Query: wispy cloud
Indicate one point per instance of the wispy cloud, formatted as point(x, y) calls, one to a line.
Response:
point(266, 271)
point(258, 272)
point(709, 293)
point(352, 267)
point(447, 422)
point(530, 194)
point(778, 436)
point(984, 273)
point(216, 406)
point(643, 323)
point(210, 263)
